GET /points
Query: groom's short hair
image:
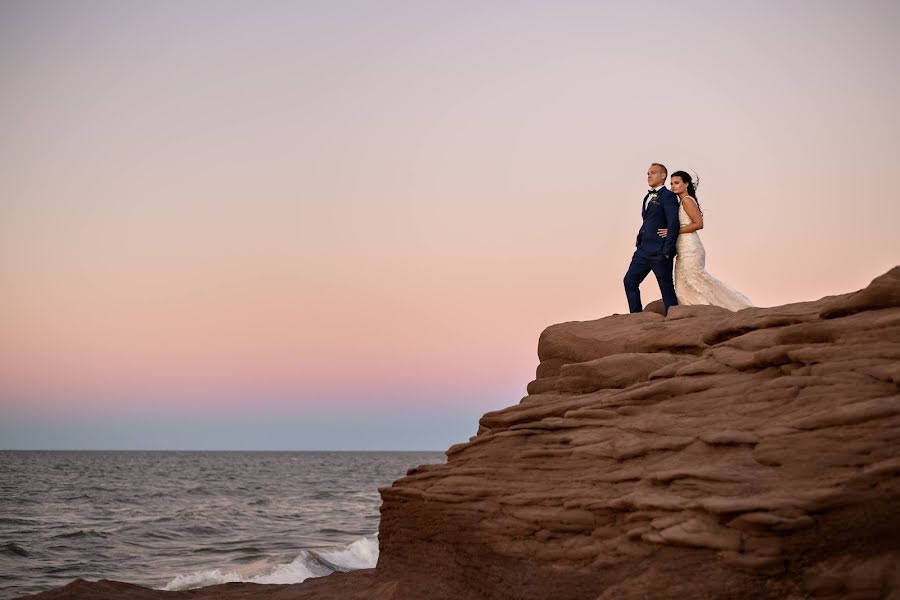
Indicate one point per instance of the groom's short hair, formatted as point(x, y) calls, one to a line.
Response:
point(661, 166)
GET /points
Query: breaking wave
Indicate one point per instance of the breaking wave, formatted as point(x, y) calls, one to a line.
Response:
point(361, 554)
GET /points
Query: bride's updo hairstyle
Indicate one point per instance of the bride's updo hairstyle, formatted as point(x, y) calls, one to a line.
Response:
point(691, 186)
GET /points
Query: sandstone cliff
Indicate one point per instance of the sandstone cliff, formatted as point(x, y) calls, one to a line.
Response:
point(703, 455)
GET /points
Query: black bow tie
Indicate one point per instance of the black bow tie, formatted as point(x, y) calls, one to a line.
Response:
point(651, 191)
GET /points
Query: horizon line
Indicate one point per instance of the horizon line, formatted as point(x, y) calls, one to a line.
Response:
point(194, 450)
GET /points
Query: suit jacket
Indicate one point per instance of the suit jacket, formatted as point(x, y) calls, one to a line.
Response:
point(661, 213)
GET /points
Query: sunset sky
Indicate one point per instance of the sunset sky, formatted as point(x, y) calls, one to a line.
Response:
point(344, 224)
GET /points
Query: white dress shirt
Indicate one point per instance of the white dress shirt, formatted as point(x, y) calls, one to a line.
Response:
point(656, 189)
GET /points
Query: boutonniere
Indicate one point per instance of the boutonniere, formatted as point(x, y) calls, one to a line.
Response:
point(654, 197)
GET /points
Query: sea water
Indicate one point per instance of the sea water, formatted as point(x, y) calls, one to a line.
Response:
point(178, 520)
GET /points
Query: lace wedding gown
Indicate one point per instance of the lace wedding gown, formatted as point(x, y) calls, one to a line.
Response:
point(693, 285)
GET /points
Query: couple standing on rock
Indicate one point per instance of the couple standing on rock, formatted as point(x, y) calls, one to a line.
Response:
point(671, 220)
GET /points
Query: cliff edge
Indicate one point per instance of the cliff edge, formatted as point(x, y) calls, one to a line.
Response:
point(706, 454)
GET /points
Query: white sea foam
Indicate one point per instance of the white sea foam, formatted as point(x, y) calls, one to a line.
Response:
point(200, 579)
point(361, 554)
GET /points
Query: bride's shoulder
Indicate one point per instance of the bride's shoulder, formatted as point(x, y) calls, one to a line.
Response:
point(691, 198)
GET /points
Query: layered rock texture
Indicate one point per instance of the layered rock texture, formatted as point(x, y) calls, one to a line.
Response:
point(707, 454)
point(702, 455)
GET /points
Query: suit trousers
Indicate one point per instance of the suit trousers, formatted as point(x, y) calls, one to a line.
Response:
point(641, 264)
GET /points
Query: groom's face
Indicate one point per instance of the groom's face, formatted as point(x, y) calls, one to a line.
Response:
point(655, 176)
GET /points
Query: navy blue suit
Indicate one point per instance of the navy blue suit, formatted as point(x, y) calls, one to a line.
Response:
point(654, 253)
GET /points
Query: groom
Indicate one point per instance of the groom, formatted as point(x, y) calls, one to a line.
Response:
point(654, 253)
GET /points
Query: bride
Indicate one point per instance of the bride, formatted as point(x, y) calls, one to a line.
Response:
point(693, 285)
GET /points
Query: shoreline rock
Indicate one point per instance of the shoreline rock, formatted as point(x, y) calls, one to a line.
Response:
point(706, 454)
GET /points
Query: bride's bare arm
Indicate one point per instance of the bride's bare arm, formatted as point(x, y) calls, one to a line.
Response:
point(690, 207)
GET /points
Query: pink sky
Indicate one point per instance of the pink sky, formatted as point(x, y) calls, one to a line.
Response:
point(327, 208)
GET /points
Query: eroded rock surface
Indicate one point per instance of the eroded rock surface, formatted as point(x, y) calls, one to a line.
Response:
point(707, 454)
point(702, 455)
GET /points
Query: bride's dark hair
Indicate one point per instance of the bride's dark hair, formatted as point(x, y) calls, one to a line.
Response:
point(691, 186)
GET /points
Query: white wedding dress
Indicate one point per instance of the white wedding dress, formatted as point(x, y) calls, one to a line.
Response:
point(693, 285)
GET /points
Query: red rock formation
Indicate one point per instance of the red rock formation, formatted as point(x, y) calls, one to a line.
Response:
point(708, 455)
point(336, 585)
point(703, 455)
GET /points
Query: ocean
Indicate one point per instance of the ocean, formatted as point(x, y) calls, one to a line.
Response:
point(177, 520)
